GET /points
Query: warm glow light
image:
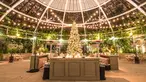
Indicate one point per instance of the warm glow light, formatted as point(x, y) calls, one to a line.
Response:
point(94, 14)
point(1, 34)
point(29, 26)
point(123, 18)
point(28, 19)
point(60, 40)
point(127, 15)
point(113, 38)
point(38, 14)
point(130, 34)
point(18, 24)
point(17, 34)
point(9, 22)
point(48, 37)
point(24, 24)
point(97, 37)
point(0, 8)
point(14, 23)
point(85, 40)
point(19, 16)
point(13, 12)
point(34, 37)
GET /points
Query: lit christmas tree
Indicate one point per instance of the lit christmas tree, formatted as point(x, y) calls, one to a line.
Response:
point(74, 45)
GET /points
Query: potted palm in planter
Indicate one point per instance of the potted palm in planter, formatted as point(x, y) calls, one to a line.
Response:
point(12, 48)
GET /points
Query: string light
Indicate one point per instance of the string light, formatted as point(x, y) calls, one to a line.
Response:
point(13, 12)
point(14, 23)
point(114, 20)
point(132, 22)
point(32, 20)
point(38, 14)
point(123, 18)
point(94, 14)
point(52, 13)
point(29, 26)
point(3, 20)
point(133, 13)
point(9, 22)
point(138, 21)
point(1, 8)
point(19, 16)
point(33, 26)
point(127, 16)
point(18, 24)
point(24, 24)
point(36, 21)
point(28, 19)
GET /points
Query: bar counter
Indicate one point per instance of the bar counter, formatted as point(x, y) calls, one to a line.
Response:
point(74, 69)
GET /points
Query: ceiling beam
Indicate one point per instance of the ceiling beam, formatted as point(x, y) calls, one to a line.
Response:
point(10, 9)
point(82, 17)
point(43, 15)
point(106, 18)
point(136, 6)
point(66, 4)
point(119, 14)
point(27, 15)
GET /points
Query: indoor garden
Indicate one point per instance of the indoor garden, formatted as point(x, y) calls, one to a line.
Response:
point(83, 35)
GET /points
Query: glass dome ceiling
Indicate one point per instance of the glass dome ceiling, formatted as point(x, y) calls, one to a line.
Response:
point(92, 15)
point(72, 5)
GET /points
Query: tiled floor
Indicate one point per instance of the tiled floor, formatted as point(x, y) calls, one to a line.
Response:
point(16, 72)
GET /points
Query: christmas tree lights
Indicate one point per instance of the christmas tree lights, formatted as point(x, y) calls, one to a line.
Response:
point(74, 44)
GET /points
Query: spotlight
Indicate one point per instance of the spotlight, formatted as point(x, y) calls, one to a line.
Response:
point(34, 37)
point(60, 40)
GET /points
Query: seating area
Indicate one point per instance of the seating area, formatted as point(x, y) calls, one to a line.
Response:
point(130, 57)
point(17, 57)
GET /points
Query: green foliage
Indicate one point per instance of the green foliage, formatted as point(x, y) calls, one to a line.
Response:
point(126, 45)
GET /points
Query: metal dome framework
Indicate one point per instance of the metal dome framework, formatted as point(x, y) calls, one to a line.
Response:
point(39, 14)
point(72, 5)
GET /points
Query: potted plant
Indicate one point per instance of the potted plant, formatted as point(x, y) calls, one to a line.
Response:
point(12, 48)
